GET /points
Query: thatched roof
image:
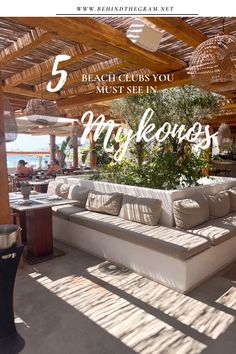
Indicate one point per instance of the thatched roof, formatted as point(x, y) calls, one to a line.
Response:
point(28, 47)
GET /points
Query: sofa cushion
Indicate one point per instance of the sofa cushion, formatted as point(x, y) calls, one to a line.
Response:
point(64, 211)
point(232, 196)
point(176, 243)
point(78, 193)
point(219, 204)
point(143, 210)
point(109, 203)
point(190, 212)
point(64, 190)
point(217, 230)
point(58, 188)
point(54, 187)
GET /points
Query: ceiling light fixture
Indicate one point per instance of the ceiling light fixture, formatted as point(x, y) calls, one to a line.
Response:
point(144, 35)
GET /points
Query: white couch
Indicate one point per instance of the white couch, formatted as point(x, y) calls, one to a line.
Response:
point(176, 258)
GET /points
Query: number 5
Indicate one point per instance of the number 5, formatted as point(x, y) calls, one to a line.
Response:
point(63, 73)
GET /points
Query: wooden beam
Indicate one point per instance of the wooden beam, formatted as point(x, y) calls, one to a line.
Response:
point(221, 119)
point(45, 67)
point(93, 156)
point(75, 157)
point(30, 93)
point(52, 147)
point(91, 86)
point(229, 106)
point(75, 77)
point(180, 78)
point(105, 39)
point(24, 45)
point(37, 153)
point(229, 28)
point(5, 217)
point(180, 29)
point(229, 94)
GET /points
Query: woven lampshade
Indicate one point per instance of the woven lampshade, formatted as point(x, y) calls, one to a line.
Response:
point(42, 112)
point(224, 133)
point(213, 64)
point(11, 130)
point(75, 134)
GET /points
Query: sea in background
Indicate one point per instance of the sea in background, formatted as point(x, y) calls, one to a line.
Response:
point(32, 160)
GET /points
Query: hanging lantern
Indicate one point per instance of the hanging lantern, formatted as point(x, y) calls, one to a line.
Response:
point(11, 130)
point(42, 112)
point(224, 136)
point(213, 64)
point(224, 131)
point(75, 134)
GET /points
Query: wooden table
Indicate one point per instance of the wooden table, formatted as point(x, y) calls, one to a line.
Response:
point(38, 223)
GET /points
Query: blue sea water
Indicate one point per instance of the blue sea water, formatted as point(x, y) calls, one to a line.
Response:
point(32, 160)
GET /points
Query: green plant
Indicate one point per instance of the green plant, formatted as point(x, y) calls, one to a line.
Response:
point(182, 105)
point(163, 169)
point(62, 151)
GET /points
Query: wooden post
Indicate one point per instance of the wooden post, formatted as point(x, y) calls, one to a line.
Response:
point(5, 214)
point(52, 147)
point(93, 157)
point(75, 156)
point(116, 145)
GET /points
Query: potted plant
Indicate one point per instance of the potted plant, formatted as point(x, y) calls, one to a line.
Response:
point(25, 189)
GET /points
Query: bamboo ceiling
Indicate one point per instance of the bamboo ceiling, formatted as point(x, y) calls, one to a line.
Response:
point(28, 47)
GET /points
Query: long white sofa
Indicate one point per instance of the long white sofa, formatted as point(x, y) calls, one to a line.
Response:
point(178, 258)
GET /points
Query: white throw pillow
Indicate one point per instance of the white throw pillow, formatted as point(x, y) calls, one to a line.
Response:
point(191, 212)
point(78, 193)
point(108, 203)
point(140, 209)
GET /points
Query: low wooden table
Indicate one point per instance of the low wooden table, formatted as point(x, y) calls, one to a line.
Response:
point(38, 217)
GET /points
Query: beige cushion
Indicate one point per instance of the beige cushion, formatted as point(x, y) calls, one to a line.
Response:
point(232, 196)
point(176, 243)
point(143, 210)
point(219, 204)
point(190, 212)
point(54, 187)
point(64, 211)
point(78, 193)
point(217, 230)
point(109, 203)
point(64, 190)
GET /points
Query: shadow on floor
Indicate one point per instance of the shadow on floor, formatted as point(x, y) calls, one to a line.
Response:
point(79, 304)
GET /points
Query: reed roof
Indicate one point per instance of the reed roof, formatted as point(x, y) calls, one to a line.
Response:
point(28, 47)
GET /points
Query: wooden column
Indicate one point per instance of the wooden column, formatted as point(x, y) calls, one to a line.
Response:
point(116, 145)
point(52, 147)
point(75, 157)
point(5, 217)
point(93, 156)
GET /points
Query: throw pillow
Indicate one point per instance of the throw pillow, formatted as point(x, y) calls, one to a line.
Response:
point(78, 193)
point(190, 212)
point(219, 204)
point(139, 209)
point(108, 203)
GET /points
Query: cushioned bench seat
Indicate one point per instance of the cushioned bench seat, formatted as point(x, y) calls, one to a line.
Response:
point(64, 211)
point(217, 230)
point(130, 231)
point(176, 243)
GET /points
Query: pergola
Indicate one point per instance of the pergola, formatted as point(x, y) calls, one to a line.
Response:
point(28, 47)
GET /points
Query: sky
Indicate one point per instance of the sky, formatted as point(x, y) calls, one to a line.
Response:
point(31, 143)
